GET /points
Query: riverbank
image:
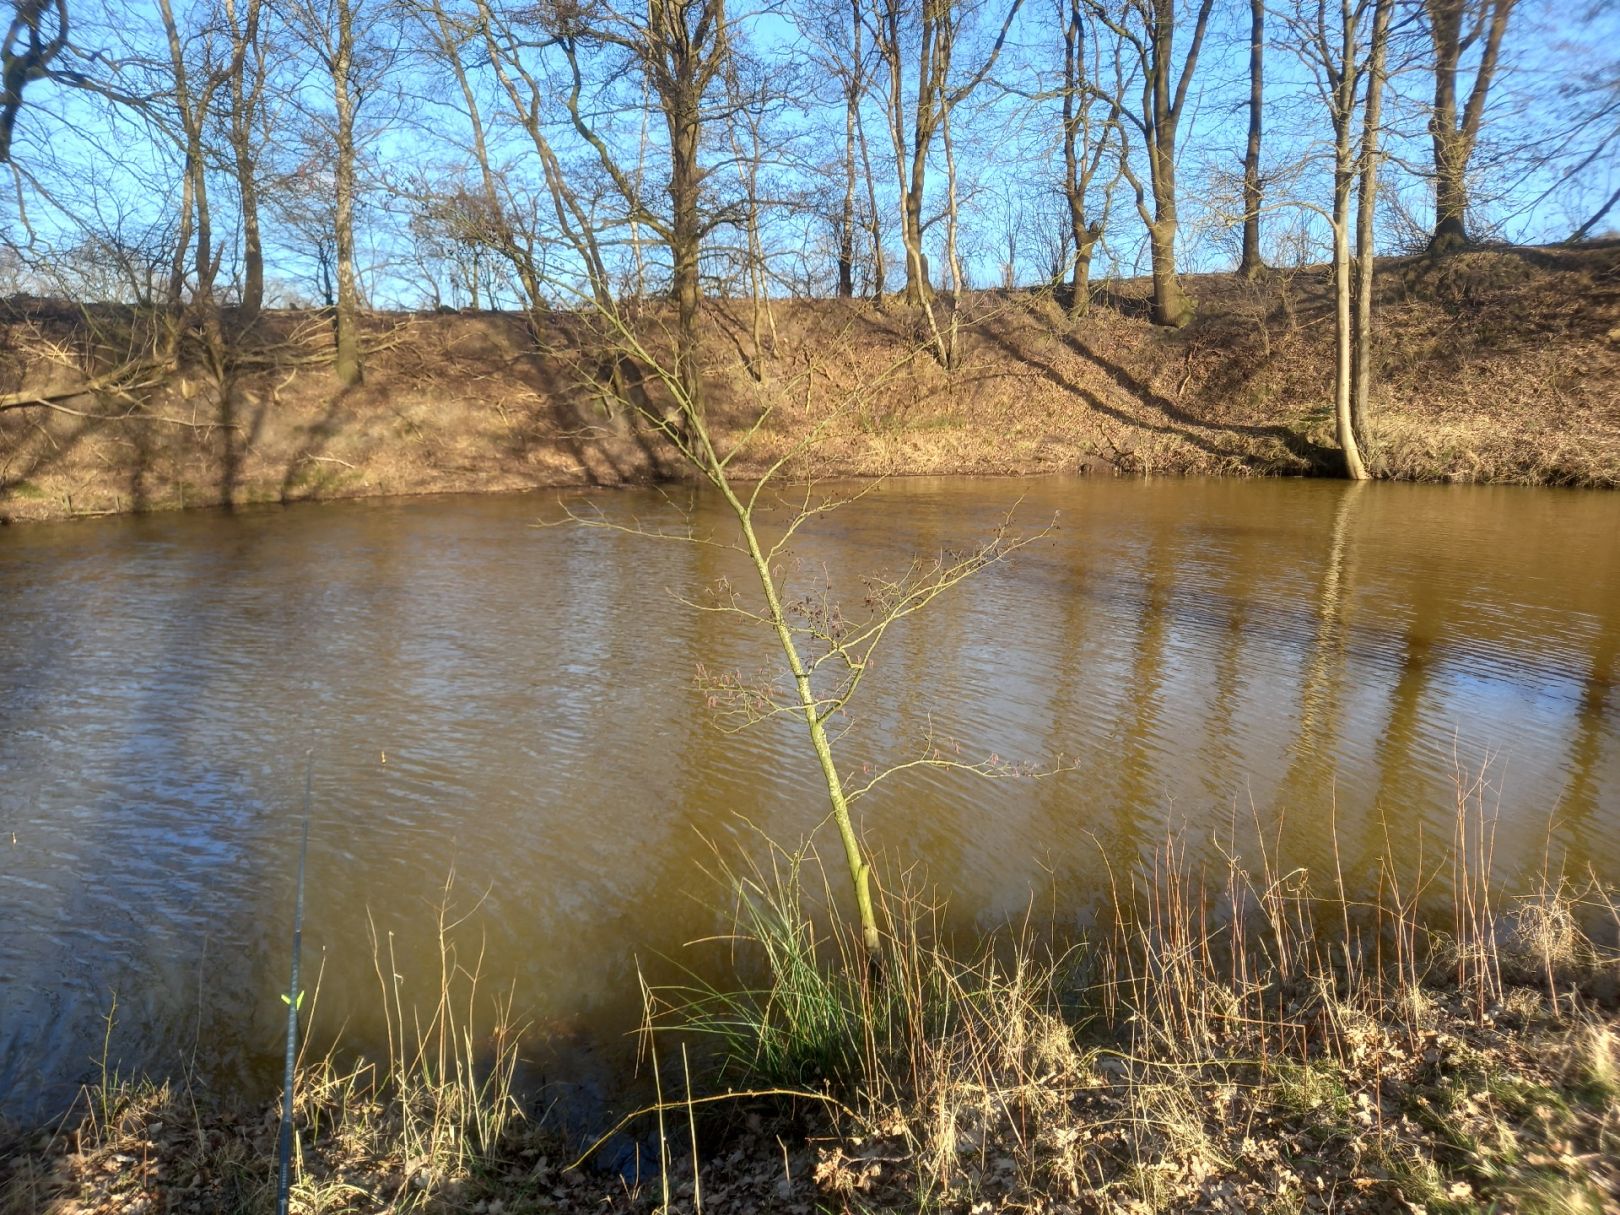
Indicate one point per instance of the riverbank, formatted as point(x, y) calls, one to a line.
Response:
point(1514, 1113)
point(1298, 1052)
point(1492, 366)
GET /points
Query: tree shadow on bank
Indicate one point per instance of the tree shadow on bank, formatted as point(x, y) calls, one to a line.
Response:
point(592, 400)
point(1316, 457)
point(1150, 411)
point(47, 348)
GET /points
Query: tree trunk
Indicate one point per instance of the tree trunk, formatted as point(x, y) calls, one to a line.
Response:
point(244, 103)
point(1250, 265)
point(1450, 203)
point(192, 111)
point(1366, 203)
point(347, 363)
point(913, 178)
point(175, 295)
point(1163, 103)
point(1082, 156)
point(918, 288)
point(846, 219)
point(1450, 192)
point(1171, 305)
point(252, 241)
point(874, 216)
point(953, 261)
point(1344, 175)
point(685, 242)
point(748, 161)
point(205, 263)
point(1085, 238)
point(20, 66)
point(572, 218)
point(1454, 134)
point(1344, 423)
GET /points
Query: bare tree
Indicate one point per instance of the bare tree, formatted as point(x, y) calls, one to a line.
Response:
point(853, 88)
point(1086, 143)
point(836, 33)
point(1349, 64)
point(338, 57)
point(682, 49)
point(483, 35)
point(456, 225)
point(349, 42)
point(825, 653)
point(245, 134)
point(191, 102)
point(748, 138)
point(300, 199)
point(1366, 206)
point(1250, 263)
point(931, 28)
point(950, 348)
point(532, 101)
point(1594, 136)
point(1148, 28)
point(837, 37)
point(1455, 26)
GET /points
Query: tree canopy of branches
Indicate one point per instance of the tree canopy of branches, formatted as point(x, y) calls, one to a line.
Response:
point(604, 154)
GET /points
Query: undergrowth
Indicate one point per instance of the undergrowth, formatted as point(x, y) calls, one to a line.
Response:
point(1229, 1035)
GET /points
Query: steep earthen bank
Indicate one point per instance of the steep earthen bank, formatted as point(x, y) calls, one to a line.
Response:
point(1498, 365)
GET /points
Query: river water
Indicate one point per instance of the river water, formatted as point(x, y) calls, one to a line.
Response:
point(517, 704)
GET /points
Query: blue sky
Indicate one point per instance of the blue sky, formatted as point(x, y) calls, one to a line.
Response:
point(91, 167)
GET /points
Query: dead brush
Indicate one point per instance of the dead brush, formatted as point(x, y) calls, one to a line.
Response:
point(961, 1064)
point(1240, 1033)
point(991, 1060)
point(1173, 1151)
point(1593, 1061)
point(1310, 1000)
point(447, 1084)
point(438, 1108)
point(1200, 955)
point(1550, 937)
point(1220, 994)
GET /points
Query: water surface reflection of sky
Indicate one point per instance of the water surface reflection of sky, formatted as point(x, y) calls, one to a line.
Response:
point(517, 703)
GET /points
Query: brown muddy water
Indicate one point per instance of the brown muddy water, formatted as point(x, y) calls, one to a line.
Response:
point(518, 704)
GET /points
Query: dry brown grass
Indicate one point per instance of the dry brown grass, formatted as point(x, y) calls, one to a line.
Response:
point(412, 1130)
point(1497, 365)
point(1237, 1037)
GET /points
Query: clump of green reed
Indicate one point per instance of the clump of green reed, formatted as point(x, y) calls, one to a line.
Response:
point(936, 1049)
point(805, 1021)
point(822, 1011)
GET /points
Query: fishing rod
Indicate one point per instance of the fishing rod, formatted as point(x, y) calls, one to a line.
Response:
point(293, 999)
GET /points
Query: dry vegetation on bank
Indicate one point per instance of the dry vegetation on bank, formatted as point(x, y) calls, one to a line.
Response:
point(1231, 1040)
point(1492, 365)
